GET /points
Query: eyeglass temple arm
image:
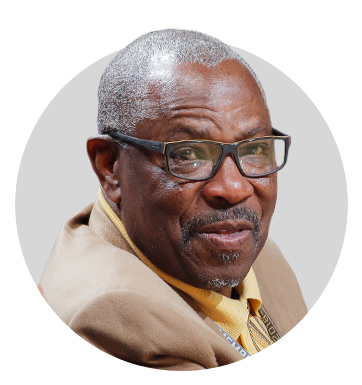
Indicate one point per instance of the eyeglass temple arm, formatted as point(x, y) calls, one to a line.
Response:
point(149, 144)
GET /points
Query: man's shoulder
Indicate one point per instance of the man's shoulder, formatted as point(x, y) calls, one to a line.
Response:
point(83, 265)
point(90, 262)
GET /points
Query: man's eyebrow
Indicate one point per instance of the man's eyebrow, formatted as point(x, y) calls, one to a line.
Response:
point(189, 130)
point(199, 133)
point(256, 132)
point(195, 133)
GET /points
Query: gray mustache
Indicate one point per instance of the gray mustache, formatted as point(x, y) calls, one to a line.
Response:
point(189, 228)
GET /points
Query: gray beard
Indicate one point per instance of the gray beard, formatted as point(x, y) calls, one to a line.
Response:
point(189, 230)
point(216, 283)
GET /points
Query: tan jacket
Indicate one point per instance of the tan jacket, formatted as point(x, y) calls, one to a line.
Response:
point(96, 285)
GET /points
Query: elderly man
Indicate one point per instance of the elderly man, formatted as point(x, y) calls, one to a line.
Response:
point(171, 268)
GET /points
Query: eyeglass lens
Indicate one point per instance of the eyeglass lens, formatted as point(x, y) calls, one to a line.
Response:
point(194, 160)
point(261, 156)
point(198, 160)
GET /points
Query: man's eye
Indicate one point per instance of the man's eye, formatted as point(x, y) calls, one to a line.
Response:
point(255, 149)
point(186, 154)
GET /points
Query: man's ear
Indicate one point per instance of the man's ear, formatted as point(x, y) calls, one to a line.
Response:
point(103, 152)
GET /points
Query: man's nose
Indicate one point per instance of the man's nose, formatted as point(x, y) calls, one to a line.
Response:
point(227, 186)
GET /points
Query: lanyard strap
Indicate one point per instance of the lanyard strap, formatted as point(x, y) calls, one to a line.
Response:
point(271, 328)
point(233, 343)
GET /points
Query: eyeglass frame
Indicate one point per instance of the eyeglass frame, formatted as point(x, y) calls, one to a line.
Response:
point(227, 148)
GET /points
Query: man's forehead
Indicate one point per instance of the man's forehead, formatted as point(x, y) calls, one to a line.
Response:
point(192, 84)
point(193, 94)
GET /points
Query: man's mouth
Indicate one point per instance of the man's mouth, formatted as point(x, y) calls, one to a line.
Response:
point(226, 236)
point(227, 229)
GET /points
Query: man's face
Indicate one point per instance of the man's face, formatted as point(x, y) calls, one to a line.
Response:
point(205, 233)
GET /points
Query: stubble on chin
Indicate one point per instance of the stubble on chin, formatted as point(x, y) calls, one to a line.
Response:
point(223, 258)
point(212, 283)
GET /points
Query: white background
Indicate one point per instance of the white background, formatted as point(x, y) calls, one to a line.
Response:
point(315, 43)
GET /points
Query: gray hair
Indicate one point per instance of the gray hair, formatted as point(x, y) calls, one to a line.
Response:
point(124, 90)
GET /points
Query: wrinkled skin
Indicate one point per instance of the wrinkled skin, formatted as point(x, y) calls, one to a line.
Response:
point(223, 104)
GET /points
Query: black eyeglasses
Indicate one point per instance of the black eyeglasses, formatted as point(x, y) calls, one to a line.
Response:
point(201, 159)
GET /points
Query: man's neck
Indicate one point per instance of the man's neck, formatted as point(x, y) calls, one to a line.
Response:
point(225, 291)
